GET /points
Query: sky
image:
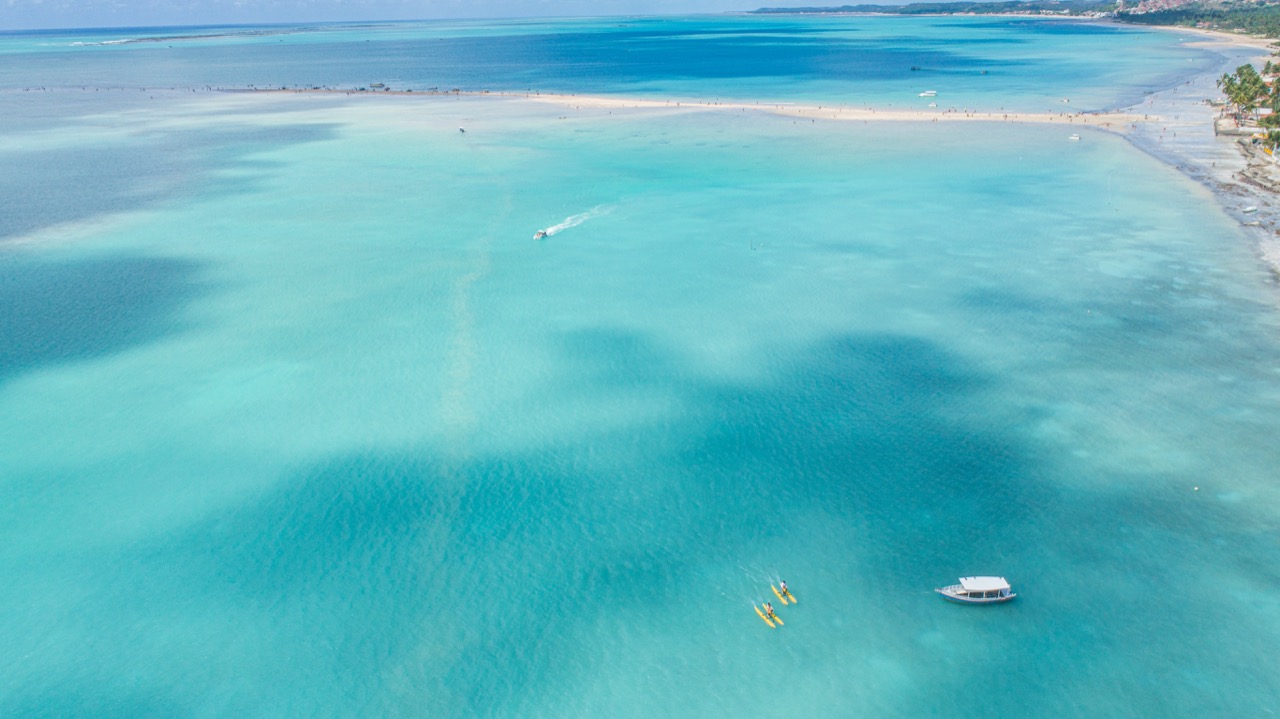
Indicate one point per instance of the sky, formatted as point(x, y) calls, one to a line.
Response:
point(40, 14)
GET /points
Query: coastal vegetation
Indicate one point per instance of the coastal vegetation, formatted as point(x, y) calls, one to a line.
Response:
point(1239, 16)
point(1248, 92)
point(1013, 7)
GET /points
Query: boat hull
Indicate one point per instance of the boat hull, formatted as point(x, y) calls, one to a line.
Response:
point(950, 595)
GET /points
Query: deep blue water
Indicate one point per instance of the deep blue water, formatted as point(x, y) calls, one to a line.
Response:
point(993, 62)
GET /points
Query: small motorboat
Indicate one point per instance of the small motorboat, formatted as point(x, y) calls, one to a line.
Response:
point(929, 93)
point(1073, 138)
point(978, 590)
point(539, 234)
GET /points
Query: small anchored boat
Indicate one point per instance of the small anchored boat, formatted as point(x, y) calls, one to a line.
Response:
point(978, 590)
point(929, 93)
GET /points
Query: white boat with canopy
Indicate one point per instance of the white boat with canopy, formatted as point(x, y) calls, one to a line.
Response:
point(978, 590)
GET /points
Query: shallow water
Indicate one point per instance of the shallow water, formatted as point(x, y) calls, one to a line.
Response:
point(297, 419)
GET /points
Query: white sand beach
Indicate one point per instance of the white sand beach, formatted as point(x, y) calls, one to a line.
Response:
point(1115, 121)
point(1108, 120)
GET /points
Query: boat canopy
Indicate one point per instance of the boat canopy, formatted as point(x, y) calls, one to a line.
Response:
point(983, 584)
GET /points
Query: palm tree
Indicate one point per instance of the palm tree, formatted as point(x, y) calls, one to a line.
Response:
point(1249, 89)
point(1230, 87)
point(1246, 91)
point(1272, 100)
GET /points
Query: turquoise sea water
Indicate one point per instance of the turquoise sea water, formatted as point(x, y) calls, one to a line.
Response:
point(296, 419)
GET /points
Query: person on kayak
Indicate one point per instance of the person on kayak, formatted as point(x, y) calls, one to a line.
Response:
point(784, 586)
point(768, 610)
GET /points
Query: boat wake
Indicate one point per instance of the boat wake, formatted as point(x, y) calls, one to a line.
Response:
point(574, 221)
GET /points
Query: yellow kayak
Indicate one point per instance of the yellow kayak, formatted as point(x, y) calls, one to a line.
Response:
point(775, 618)
point(764, 616)
point(790, 596)
point(781, 596)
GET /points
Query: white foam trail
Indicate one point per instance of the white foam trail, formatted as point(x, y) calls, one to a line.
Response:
point(575, 220)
